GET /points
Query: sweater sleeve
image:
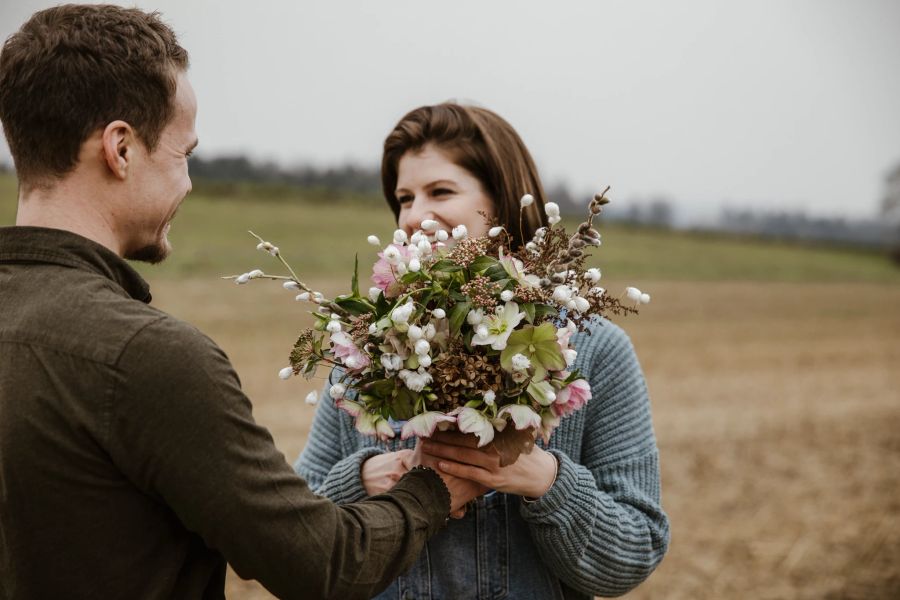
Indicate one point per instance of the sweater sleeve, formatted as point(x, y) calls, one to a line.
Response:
point(182, 431)
point(323, 463)
point(601, 527)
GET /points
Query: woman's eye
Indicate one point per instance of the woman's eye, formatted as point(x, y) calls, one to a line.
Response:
point(404, 199)
point(442, 192)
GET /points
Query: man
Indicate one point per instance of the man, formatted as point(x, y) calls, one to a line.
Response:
point(130, 463)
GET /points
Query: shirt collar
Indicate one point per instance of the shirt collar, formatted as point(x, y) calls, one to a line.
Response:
point(56, 246)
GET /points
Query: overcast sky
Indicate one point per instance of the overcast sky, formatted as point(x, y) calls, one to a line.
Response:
point(774, 104)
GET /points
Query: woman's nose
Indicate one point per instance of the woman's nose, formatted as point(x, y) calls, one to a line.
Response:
point(412, 216)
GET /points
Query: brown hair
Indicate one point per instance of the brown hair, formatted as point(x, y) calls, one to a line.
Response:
point(73, 69)
point(479, 141)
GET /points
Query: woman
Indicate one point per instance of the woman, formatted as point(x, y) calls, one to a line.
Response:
point(577, 517)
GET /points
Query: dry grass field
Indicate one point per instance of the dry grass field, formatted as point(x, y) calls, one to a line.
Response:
point(776, 406)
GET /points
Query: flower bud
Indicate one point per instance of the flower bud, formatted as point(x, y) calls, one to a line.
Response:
point(597, 291)
point(373, 329)
point(312, 398)
point(507, 295)
point(415, 265)
point(414, 333)
point(391, 254)
point(374, 292)
point(552, 209)
point(475, 316)
point(333, 326)
point(291, 285)
point(520, 362)
point(438, 313)
point(592, 275)
point(490, 397)
point(373, 239)
point(554, 220)
point(570, 355)
point(526, 201)
point(459, 232)
point(494, 231)
point(581, 304)
point(400, 237)
point(286, 372)
point(337, 391)
point(402, 268)
point(242, 278)
point(481, 331)
point(442, 235)
point(429, 225)
point(255, 274)
point(562, 293)
point(302, 297)
point(645, 298)
point(633, 294)
point(423, 347)
point(424, 360)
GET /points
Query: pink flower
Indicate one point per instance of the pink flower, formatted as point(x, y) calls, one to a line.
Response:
point(346, 351)
point(383, 274)
point(564, 333)
point(365, 422)
point(572, 397)
point(423, 425)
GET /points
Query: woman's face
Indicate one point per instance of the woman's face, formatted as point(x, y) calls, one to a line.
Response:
point(431, 186)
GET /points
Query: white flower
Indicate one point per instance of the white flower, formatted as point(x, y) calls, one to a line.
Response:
point(581, 304)
point(351, 362)
point(391, 362)
point(554, 220)
point(373, 239)
point(374, 292)
point(416, 237)
point(531, 247)
point(475, 316)
point(429, 224)
point(291, 285)
point(562, 293)
point(423, 347)
point(441, 235)
point(523, 416)
point(469, 420)
point(570, 305)
point(507, 295)
point(302, 297)
point(415, 265)
point(424, 360)
point(424, 247)
point(373, 329)
point(499, 326)
point(423, 425)
point(337, 391)
point(242, 278)
point(494, 231)
point(429, 332)
point(540, 232)
point(415, 333)
point(645, 298)
point(592, 275)
point(286, 372)
point(438, 313)
point(490, 397)
point(633, 294)
point(542, 392)
point(520, 362)
point(459, 232)
point(391, 254)
point(400, 237)
point(333, 326)
point(552, 209)
point(570, 355)
point(415, 380)
point(526, 201)
point(312, 398)
point(401, 313)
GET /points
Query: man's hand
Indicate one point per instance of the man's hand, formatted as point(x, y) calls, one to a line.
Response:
point(381, 472)
point(457, 455)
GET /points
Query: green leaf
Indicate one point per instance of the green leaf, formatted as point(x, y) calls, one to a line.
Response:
point(473, 403)
point(528, 309)
point(403, 405)
point(458, 316)
point(445, 266)
point(354, 284)
point(544, 310)
point(483, 262)
point(354, 305)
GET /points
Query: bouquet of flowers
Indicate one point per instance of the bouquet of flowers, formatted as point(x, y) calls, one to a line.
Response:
point(459, 331)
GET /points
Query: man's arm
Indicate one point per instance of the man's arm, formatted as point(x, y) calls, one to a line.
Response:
point(182, 430)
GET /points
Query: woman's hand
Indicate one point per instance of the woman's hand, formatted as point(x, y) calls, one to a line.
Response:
point(457, 454)
point(381, 472)
point(462, 491)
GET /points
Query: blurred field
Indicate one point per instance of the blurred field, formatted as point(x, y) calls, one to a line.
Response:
point(773, 371)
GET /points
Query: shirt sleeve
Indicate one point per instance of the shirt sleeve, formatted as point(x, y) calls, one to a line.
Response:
point(182, 431)
point(601, 527)
point(323, 464)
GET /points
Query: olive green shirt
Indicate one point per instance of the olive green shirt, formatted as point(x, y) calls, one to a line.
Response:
point(130, 462)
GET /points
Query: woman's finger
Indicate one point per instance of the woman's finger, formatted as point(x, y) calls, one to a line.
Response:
point(460, 454)
point(476, 474)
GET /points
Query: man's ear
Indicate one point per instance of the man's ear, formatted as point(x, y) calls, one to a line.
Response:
point(119, 143)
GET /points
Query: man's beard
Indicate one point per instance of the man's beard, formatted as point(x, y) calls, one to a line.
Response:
point(151, 253)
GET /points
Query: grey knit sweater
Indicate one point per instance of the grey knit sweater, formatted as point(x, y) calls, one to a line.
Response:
point(600, 529)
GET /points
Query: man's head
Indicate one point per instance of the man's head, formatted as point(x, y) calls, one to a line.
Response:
point(102, 85)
